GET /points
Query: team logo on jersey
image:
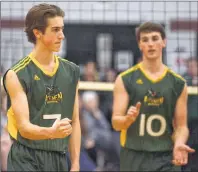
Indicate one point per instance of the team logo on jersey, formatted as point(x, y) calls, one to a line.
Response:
point(153, 98)
point(139, 81)
point(36, 78)
point(53, 94)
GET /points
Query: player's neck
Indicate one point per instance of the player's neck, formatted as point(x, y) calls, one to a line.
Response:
point(43, 56)
point(152, 66)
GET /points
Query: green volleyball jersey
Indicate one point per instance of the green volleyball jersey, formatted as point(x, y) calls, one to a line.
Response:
point(50, 95)
point(153, 128)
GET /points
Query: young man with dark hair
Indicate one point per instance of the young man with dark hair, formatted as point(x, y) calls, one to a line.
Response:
point(150, 109)
point(43, 115)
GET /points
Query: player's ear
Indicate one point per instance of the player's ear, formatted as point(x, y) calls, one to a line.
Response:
point(37, 33)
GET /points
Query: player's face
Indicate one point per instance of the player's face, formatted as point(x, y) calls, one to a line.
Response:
point(53, 35)
point(151, 44)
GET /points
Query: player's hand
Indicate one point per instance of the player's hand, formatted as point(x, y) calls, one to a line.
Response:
point(61, 128)
point(180, 154)
point(132, 114)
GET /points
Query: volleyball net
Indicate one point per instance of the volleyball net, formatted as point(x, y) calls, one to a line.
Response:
point(104, 32)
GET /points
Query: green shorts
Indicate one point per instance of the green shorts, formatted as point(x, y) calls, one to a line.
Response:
point(22, 158)
point(131, 160)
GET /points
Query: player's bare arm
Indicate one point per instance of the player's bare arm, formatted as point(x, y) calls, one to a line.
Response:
point(180, 118)
point(181, 132)
point(21, 111)
point(122, 118)
point(75, 139)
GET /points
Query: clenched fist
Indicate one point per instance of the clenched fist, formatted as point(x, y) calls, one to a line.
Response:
point(61, 128)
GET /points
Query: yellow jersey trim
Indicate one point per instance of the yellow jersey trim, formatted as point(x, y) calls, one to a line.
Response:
point(153, 80)
point(25, 63)
point(21, 62)
point(44, 70)
point(67, 61)
point(123, 136)
point(132, 69)
point(63, 59)
point(11, 125)
point(176, 75)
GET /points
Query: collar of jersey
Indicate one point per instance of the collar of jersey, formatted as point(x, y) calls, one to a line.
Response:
point(153, 80)
point(42, 69)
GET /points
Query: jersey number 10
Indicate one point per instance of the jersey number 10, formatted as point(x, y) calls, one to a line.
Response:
point(148, 124)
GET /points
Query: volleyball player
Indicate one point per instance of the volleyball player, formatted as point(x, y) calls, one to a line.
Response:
point(43, 117)
point(150, 109)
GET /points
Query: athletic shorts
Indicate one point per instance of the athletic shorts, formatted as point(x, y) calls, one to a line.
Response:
point(131, 160)
point(22, 158)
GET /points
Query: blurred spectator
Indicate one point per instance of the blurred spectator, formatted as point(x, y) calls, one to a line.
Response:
point(106, 97)
point(3, 108)
point(98, 132)
point(86, 163)
point(90, 72)
point(5, 138)
point(3, 103)
point(97, 128)
point(5, 147)
point(191, 77)
point(110, 75)
point(106, 104)
point(82, 121)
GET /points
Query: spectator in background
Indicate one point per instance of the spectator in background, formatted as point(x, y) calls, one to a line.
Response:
point(86, 163)
point(90, 72)
point(3, 104)
point(106, 97)
point(110, 75)
point(98, 132)
point(191, 77)
point(106, 103)
point(5, 139)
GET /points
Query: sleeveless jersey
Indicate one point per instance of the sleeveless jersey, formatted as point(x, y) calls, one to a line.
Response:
point(50, 95)
point(153, 127)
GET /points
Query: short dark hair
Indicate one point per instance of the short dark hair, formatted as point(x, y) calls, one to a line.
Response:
point(148, 27)
point(37, 16)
